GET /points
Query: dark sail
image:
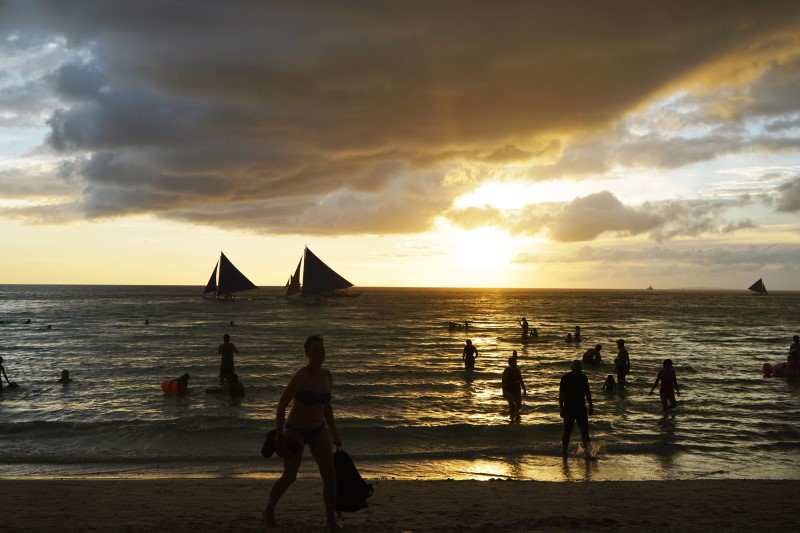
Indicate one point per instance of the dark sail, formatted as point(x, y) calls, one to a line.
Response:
point(293, 285)
point(212, 282)
point(230, 279)
point(319, 278)
point(758, 287)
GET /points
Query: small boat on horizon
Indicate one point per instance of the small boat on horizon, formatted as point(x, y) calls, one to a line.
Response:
point(319, 283)
point(226, 280)
point(758, 287)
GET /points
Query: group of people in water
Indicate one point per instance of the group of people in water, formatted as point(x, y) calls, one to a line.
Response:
point(228, 378)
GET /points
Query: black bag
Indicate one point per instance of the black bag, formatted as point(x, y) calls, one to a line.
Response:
point(351, 489)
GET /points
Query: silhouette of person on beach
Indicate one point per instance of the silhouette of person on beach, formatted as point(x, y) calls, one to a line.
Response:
point(795, 346)
point(4, 375)
point(577, 335)
point(623, 363)
point(226, 350)
point(524, 324)
point(610, 385)
point(310, 422)
point(469, 355)
point(592, 355)
point(65, 379)
point(513, 387)
point(669, 385)
point(233, 386)
point(569, 337)
point(573, 389)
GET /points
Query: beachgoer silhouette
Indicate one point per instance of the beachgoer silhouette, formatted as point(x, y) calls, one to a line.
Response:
point(669, 385)
point(65, 379)
point(469, 355)
point(310, 422)
point(513, 387)
point(233, 386)
point(569, 337)
point(795, 346)
point(226, 351)
point(4, 375)
point(573, 389)
point(610, 385)
point(577, 335)
point(623, 366)
point(524, 324)
point(592, 355)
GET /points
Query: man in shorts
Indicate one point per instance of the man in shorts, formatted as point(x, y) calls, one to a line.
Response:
point(571, 393)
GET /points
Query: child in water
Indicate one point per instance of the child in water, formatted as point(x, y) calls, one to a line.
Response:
point(669, 385)
point(610, 385)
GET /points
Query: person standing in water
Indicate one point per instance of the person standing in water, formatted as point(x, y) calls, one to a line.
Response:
point(573, 389)
point(226, 350)
point(524, 325)
point(3, 374)
point(469, 355)
point(513, 387)
point(623, 365)
point(310, 422)
point(669, 385)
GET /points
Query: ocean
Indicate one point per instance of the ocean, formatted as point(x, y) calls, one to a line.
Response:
point(405, 407)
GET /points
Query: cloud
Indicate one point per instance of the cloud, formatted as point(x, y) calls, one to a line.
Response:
point(337, 118)
point(789, 200)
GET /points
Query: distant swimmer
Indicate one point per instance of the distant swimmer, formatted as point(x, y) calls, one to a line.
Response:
point(592, 355)
point(28, 321)
point(177, 386)
point(513, 387)
point(469, 355)
point(669, 385)
point(524, 324)
point(569, 337)
point(610, 385)
point(65, 379)
point(795, 346)
point(146, 322)
point(534, 333)
point(577, 334)
point(226, 350)
point(233, 386)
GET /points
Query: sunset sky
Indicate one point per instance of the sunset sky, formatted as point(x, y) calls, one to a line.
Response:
point(450, 143)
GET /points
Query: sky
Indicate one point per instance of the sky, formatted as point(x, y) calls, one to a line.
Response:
point(576, 144)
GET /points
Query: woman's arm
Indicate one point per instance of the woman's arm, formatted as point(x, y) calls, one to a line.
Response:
point(288, 395)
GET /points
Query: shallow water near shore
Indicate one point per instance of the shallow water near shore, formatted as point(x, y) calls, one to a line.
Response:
point(405, 407)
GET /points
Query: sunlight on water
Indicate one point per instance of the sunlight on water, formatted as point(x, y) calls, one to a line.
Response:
point(404, 404)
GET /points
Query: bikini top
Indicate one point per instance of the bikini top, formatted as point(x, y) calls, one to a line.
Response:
point(310, 397)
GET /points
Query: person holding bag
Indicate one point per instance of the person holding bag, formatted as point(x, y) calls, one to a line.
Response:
point(310, 422)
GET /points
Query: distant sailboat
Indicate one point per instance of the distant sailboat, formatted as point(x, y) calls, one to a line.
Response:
point(226, 280)
point(319, 280)
point(758, 287)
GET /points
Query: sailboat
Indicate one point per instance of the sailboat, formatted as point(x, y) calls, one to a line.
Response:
point(758, 287)
point(226, 280)
point(319, 280)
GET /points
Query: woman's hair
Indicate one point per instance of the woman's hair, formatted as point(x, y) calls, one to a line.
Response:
point(310, 339)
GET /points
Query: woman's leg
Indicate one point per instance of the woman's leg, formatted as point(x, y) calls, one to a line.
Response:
point(290, 467)
point(322, 452)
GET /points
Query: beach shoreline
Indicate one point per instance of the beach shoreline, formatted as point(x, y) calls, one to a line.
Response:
point(227, 504)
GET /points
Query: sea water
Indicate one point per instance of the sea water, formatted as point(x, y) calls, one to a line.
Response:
point(404, 405)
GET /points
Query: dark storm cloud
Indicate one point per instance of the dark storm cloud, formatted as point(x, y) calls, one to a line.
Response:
point(351, 116)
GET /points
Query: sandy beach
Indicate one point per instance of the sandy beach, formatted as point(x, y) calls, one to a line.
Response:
point(402, 506)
